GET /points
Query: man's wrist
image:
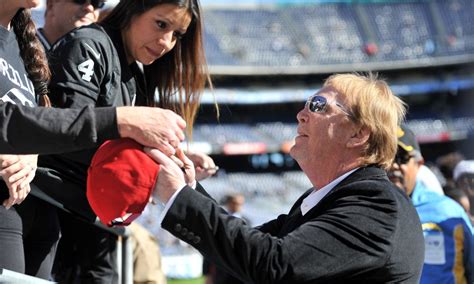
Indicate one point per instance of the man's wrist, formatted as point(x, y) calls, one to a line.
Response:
point(168, 204)
point(168, 194)
point(123, 127)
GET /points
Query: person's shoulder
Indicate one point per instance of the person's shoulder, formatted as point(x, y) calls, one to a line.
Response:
point(433, 202)
point(84, 35)
point(453, 206)
point(371, 185)
point(93, 31)
point(81, 43)
point(371, 179)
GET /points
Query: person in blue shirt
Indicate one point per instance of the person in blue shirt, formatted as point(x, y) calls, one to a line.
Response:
point(446, 226)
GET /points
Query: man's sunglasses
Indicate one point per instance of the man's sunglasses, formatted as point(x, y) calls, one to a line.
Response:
point(402, 157)
point(320, 104)
point(97, 4)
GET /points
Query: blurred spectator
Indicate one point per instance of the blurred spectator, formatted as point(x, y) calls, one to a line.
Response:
point(446, 226)
point(146, 257)
point(460, 197)
point(463, 176)
point(62, 16)
point(233, 203)
point(426, 175)
point(446, 165)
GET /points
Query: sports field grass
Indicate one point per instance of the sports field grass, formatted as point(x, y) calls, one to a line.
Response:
point(186, 281)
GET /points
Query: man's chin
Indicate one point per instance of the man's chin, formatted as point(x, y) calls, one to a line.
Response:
point(295, 153)
point(82, 22)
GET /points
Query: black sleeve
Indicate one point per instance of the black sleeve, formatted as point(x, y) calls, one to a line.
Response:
point(79, 69)
point(27, 130)
point(320, 248)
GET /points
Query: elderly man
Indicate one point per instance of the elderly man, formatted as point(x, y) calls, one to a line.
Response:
point(353, 226)
point(446, 226)
point(62, 16)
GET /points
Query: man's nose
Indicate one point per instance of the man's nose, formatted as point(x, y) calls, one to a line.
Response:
point(88, 7)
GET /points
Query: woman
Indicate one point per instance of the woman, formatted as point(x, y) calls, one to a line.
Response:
point(145, 53)
point(97, 65)
point(25, 77)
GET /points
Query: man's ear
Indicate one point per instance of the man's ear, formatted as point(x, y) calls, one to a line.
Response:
point(359, 137)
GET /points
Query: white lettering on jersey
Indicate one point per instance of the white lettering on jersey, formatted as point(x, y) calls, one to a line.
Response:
point(86, 67)
point(3, 66)
point(95, 53)
point(15, 96)
point(30, 87)
point(14, 76)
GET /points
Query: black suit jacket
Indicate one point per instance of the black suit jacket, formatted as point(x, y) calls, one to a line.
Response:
point(364, 230)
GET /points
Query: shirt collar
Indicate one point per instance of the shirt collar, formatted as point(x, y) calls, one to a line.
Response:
point(44, 41)
point(316, 195)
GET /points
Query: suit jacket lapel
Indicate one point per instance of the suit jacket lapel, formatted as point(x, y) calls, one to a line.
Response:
point(294, 218)
point(369, 172)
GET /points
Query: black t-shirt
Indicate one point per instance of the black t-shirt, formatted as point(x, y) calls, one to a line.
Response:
point(15, 85)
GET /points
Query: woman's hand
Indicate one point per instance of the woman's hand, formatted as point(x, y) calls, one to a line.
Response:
point(204, 165)
point(175, 173)
point(17, 171)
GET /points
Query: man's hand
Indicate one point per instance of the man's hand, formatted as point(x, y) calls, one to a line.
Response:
point(17, 171)
point(175, 173)
point(152, 127)
point(204, 165)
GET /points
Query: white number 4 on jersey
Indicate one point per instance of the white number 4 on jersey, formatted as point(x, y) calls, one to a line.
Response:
point(87, 68)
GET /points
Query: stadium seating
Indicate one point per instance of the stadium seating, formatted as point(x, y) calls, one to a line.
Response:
point(334, 35)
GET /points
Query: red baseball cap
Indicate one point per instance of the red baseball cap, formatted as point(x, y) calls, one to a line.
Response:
point(120, 180)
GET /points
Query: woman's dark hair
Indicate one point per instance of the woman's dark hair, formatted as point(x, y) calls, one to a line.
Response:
point(32, 53)
point(182, 72)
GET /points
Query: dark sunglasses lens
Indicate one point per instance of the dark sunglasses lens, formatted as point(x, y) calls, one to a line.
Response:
point(402, 158)
point(98, 4)
point(318, 104)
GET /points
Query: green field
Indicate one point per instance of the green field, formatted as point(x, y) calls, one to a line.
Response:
point(186, 281)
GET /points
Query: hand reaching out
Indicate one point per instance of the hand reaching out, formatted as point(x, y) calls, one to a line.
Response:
point(204, 165)
point(175, 173)
point(17, 171)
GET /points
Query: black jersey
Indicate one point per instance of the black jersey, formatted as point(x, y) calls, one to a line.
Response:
point(89, 68)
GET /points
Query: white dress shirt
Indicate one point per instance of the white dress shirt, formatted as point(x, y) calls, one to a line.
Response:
point(316, 195)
